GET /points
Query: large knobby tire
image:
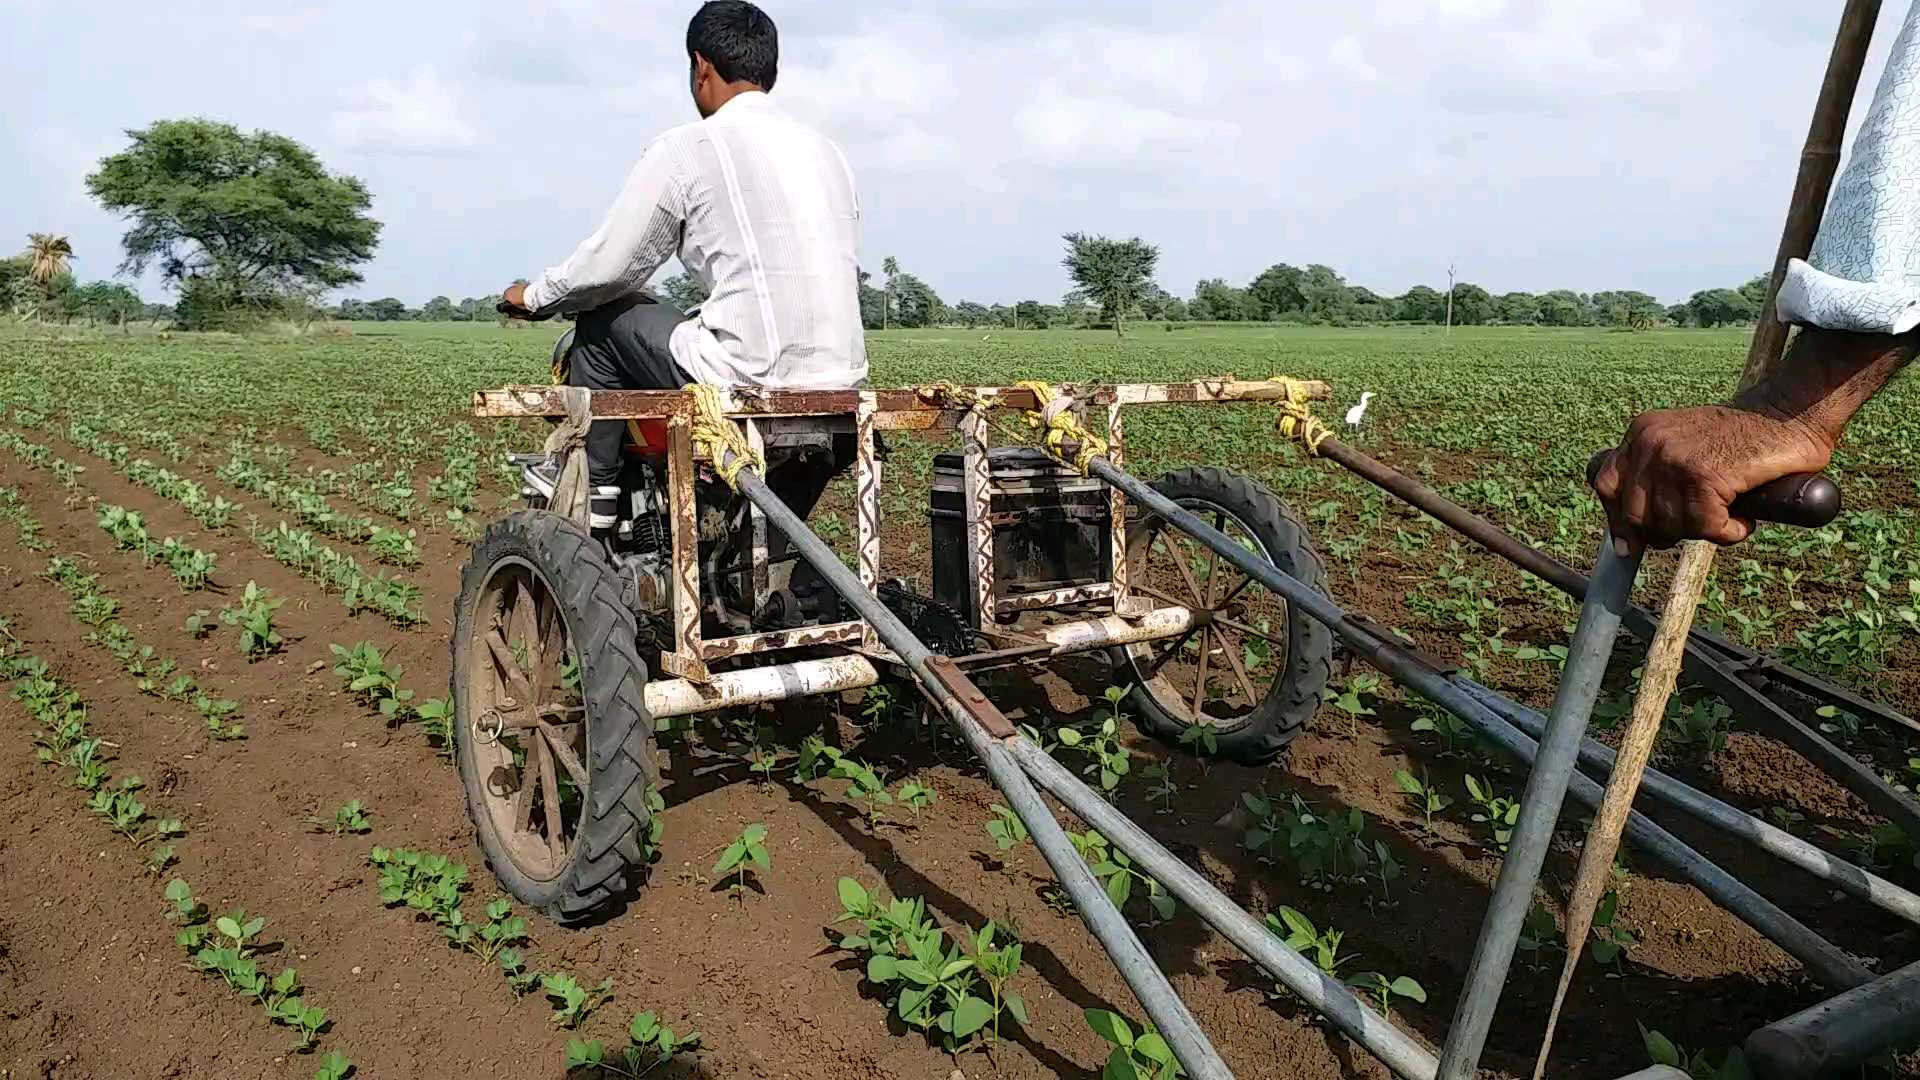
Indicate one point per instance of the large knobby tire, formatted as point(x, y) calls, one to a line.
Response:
point(606, 846)
point(1258, 731)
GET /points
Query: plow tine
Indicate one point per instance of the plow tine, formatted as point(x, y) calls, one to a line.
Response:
point(1142, 974)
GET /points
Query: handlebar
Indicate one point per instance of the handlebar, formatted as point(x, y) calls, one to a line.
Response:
point(1803, 500)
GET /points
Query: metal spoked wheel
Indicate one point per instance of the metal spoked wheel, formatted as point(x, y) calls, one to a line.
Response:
point(1250, 668)
point(530, 727)
point(550, 731)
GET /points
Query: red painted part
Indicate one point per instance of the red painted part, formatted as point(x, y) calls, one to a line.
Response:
point(647, 438)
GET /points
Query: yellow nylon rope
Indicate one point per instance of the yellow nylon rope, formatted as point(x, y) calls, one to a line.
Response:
point(1297, 421)
point(1056, 417)
point(718, 437)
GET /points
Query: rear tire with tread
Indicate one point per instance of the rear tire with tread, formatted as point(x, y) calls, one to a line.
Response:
point(611, 842)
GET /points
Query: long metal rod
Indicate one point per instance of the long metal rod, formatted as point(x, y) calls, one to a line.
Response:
point(1707, 655)
point(1553, 769)
point(1726, 818)
point(1842, 1031)
point(1822, 960)
point(1142, 974)
point(1321, 992)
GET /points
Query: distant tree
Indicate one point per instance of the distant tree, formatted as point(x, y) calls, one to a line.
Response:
point(1325, 296)
point(438, 309)
point(474, 309)
point(1720, 307)
point(251, 216)
point(1472, 305)
point(889, 266)
point(386, 309)
point(1000, 315)
point(1278, 292)
point(969, 314)
point(1421, 304)
point(1563, 307)
point(1174, 310)
point(1034, 315)
point(916, 304)
point(1625, 307)
point(1755, 291)
point(1153, 302)
point(1518, 309)
point(684, 291)
point(1678, 314)
point(873, 304)
point(48, 256)
point(1115, 274)
point(108, 302)
point(1216, 301)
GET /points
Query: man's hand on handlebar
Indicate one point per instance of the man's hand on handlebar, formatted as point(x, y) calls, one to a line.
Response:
point(513, 301)
point(1678, 471)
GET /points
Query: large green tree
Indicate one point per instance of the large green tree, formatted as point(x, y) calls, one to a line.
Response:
point(1216, 301)
point(1114, 274)
point(1564, 307)
point(1277, 291)
point(241, 218)
point(1719, 307)
point(915, 303)
point(1626, 307)
point(1518, 309)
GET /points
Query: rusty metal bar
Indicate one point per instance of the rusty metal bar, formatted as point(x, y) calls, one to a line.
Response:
point(684, 659)
point(1053, 598)
point(839, 633)
point(977, 477)
point(756, 686)
point(527, 401)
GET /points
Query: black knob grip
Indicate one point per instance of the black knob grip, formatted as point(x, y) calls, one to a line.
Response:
point(1804, 500)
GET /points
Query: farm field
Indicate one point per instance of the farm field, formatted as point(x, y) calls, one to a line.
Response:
point(228, 569)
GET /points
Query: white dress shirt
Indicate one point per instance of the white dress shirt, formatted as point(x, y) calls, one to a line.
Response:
point(1864, 274)
point(761, 209)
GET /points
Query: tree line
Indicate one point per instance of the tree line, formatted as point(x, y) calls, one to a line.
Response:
point(245, 227)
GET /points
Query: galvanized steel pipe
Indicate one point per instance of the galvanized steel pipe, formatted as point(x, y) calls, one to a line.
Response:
point(1729, 819)
point(1163, 1006)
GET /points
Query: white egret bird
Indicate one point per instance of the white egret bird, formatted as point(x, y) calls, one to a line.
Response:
point(1354, 414)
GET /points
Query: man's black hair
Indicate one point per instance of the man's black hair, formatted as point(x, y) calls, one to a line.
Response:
point(738, 39)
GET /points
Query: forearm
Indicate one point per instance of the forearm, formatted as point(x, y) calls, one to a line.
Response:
point(1827, 377)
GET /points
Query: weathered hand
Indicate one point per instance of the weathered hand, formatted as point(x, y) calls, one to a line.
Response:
point(1676, 474)
point(515, 296)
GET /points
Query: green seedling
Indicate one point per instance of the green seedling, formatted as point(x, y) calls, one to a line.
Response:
point(916, 797)
point(201, 623)
point(160, 859)
point(335, 1066)
point(513, 967)
point(997, 967)
point(1006, 828)
point(308, 1022)
point(1611, 941)
point(1426, 798)
point(1698, 1066)
point(1109, 761)
point(928, 980)
point(253, 614)
point(1267, 828)
point(436, 721)
point(243, 932)
point(370, 678)
point(1384, 990)
point(502, 930)
point(1497, 812)
point(650, 1044)
point(1202, 739)
point(1456, 736)
point(351, 817)
point(573, 1003)
point(1142, 1056)
point(1350, 699)
point(1161, 787)
point(216, 712)
point(865, 783)
point(1539, 935)
point(747, 849)
point(1115, 869)
point(1300, 935)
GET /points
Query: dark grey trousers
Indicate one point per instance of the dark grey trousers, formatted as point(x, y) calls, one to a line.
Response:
point(622, 346)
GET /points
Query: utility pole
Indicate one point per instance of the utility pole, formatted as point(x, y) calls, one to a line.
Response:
point(1449, 299)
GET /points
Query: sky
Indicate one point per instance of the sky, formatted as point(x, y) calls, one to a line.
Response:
point(1533, 144)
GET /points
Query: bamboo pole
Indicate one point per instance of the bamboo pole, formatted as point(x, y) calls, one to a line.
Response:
point(1819, 160)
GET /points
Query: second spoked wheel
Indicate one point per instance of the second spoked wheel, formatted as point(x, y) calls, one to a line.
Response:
point(1252, 668)
point(550, 730)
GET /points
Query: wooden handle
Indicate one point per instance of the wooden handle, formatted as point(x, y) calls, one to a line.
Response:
point(1803, 500)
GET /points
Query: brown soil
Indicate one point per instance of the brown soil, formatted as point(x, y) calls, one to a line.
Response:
point(91, 985)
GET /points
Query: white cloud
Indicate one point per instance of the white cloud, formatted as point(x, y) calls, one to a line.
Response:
point(1348, 55)
point(422, 114)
